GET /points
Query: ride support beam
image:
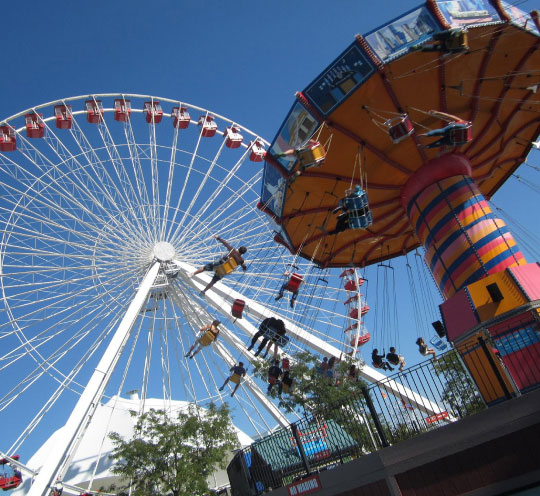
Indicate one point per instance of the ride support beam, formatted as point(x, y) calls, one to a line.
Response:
point(59, 457)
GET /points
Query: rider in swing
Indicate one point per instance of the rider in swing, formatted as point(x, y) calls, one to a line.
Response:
point(234, 253)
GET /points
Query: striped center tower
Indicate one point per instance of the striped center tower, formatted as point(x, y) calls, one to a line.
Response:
point(464, 241)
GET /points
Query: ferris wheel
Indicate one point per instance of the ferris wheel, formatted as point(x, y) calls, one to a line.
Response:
point(109, 203)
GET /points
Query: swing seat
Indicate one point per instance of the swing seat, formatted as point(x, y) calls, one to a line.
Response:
point(350, 285)
point(438, 343)
point(235, 379)
point(399, 128)
point(122, 110)
point(226, 267)
point(357, 206)
point(272, 380)
point(207, 338)
point(63, 116)
point(238, 308)
point(361, 221)
point(285, 364)
point(294, 282)
point(35, 127)
point(457, 42)
point(272, 335)
point(311, 156)
point(180, 117)
point(460, 134)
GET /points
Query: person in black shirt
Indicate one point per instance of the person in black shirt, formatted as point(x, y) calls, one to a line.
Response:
point(238, 371)
point(274, 373)
point(286, 383)
point(395, 359)
point(263, 329)
point(378, 360)
point(279, 330)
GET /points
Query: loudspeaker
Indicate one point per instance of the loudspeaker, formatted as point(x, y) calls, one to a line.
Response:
point(439, 328)
point(494, 292)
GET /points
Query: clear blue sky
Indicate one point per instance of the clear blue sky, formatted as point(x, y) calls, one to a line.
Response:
point(243, 59)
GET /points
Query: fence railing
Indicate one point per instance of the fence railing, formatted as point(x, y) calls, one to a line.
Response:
point(372, 420)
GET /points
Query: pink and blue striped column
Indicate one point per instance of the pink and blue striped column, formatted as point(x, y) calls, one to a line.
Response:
point(464, 241)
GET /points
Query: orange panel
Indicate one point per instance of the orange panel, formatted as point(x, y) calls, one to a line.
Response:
point(485, 306)
point(482, 371)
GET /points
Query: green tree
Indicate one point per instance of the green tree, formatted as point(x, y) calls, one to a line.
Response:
point(313, 391)
point(459, 390)
point(174, 456)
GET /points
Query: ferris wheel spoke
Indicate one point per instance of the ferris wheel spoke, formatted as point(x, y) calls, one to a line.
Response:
point(172, 166)
point(60, 298)
point(127, 191)
point(195, 315)
point(84, 329)
point(60, 182)
point(84, 184)
point(156, 223)
point(224, 204)
point(43, 217)
point(186, 181)
point(47, 365)
point(197, 193)
point(137, 167)
point(100, 171)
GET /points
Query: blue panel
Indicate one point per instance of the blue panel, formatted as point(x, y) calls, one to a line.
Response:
point(395, 38)
point(517, 340)
point(466, 12)
point(522, 19)
point(294, 133)
point(348, 71)
point(273, 190)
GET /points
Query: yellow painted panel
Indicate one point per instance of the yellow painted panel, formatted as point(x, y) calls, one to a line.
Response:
point(481, 369)
point(485, 306)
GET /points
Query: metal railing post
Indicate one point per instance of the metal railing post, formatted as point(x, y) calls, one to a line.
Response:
point(305, 461)
point(496, 371)
point(375, 418)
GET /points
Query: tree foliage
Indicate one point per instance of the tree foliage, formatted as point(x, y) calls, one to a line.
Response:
point(174, 456)
point(459, 390)
point(312, 390)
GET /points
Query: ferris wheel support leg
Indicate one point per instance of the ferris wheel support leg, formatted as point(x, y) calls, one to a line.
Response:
point(58, 457)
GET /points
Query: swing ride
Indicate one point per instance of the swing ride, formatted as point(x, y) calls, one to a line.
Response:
point(430, 114)
point(369, 108)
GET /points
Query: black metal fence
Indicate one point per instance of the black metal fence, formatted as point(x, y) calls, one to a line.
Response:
point(402, 406)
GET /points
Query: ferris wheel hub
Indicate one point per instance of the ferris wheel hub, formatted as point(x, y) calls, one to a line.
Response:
point(164, 252)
